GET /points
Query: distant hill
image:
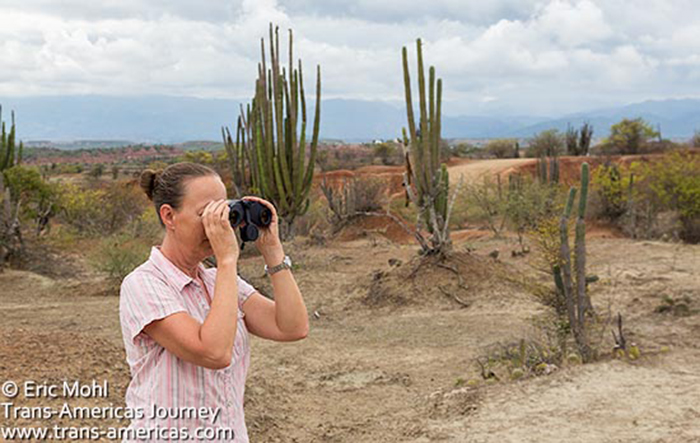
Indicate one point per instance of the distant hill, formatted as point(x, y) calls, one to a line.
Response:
point(165, 119)
point(675, 118)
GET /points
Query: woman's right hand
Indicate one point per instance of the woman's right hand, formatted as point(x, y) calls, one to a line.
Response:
point(218, 230)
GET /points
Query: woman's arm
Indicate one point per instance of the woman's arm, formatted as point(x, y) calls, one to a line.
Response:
point(285, 318)
point(208, 344)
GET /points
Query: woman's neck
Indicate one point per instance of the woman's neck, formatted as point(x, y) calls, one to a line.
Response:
point(178, 257)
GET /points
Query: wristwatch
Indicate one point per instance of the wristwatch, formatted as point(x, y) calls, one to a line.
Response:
point(286, 264)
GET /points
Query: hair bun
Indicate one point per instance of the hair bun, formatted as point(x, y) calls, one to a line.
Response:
point(148, 181)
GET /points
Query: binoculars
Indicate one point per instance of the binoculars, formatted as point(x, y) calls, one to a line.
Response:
point(255, 214)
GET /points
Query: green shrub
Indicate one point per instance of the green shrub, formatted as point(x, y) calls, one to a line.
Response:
point(100, 211)
point(501, 148)
point(146, 227)
point(673, 183)
point(389, 153)
point(27, 185)
point(528, 203)
point(629, 136)
point(611, 187)
point(548, 143)
point(118, 255)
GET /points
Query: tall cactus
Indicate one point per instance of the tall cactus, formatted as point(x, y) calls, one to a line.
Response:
point(423, 164)
point(577, 301)
point(578, 142)
point(11, 242)
point(548, 169)
point(268, 139)
point(241, 156)
point(10, 154)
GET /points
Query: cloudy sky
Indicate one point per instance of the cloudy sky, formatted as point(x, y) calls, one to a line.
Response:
point(543, 57)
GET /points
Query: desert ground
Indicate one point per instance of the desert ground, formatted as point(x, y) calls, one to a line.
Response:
point(391, 355)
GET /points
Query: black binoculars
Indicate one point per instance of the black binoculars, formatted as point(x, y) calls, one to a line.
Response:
point(255, 214)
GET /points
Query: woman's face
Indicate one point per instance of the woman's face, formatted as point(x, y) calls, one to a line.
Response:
point(189, 230)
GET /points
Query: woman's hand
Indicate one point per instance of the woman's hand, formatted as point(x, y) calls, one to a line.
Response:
point(268, 242)
point(219, 231)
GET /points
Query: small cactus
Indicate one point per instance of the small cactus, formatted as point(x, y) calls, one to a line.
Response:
point(517, 373)
point(573, 359)
point(634, 353)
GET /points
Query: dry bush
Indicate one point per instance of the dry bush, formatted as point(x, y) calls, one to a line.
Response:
point(315, 221)
point(333, 157)
point(488, 198)
point(695, 141)
point(389, 153)
point(522, 359)
point(354, 197)
point(527, 203)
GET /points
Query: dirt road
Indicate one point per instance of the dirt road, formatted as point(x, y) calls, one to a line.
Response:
point(474, 170)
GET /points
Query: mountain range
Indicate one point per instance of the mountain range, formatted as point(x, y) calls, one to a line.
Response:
point(169, 119)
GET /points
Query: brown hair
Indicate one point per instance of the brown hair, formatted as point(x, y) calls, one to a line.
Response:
point(167, 186)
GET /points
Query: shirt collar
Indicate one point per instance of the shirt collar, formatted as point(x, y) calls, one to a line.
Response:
point(172, 272)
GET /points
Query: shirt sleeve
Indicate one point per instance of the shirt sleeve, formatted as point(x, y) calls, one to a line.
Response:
point(143, 299)
point(245, 290)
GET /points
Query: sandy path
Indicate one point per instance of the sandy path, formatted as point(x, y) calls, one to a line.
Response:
point(610, 402)
point(475, 169)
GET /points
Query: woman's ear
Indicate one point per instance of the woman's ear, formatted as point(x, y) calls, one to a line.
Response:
point(167, 214)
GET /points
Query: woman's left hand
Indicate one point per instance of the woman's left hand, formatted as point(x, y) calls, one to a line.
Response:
point(268, 242)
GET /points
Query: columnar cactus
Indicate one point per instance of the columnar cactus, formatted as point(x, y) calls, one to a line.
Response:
point(10, 155)
point(576, 298)
point(267, 137)
point(11, 242)
point(423, 164)
point(548, 169)
point(241, 156)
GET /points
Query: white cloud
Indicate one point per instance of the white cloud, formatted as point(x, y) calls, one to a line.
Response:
point(541, 56)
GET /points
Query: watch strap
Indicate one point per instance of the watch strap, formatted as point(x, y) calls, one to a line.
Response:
point(271, 270)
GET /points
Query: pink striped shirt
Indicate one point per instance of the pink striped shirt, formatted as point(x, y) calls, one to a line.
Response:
point(154, 290)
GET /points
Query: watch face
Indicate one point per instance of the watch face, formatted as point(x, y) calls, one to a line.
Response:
point(288, 261)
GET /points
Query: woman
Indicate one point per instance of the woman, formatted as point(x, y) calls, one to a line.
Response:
point(185, 327)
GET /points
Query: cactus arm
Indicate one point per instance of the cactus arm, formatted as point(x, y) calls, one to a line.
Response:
point(565, 262)
point(424, 136)
point(302, 139)
point(314, 136)
point(580, 246)
point(583, 199)
point(278, 88)
point(438, 123)
point(432, 161)
point(3, 144)
point(409, 102)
